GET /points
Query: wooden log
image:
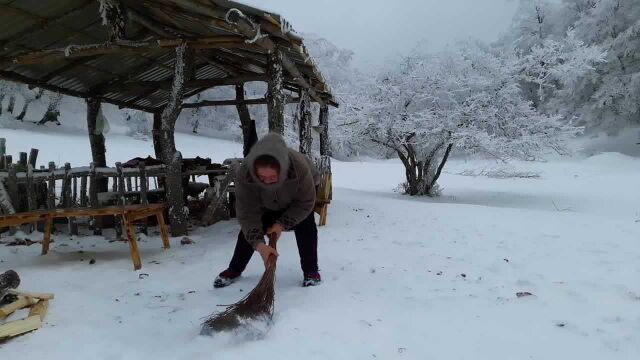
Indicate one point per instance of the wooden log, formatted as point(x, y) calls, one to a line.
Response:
point(33, 157)
point(96, 140)
point(74, 191)
point(144, 188)
point(31, 193)
point(178, 217)
point(66, 198)
point(133, 243)
point(275, 93)
point(2, 162)
point(23, 159)
point(40, 309)
point(304, 123)
point(119, 186)
point(249, 134)
point(323, 122)
point(21, 303)
point(12, 186)
point(51, 199)
point(95, 223)
point(83, 191)
point(33, 295)
point(3, 147)
point(6, 206)
point(19, 327)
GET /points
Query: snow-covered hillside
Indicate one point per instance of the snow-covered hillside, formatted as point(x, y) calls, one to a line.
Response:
point(404, 278)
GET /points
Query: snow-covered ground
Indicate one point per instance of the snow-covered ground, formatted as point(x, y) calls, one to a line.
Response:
point(404, 278)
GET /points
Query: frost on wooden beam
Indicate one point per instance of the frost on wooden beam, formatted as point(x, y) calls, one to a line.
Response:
point(123, 46)
point(260, 101)
point(234, 80)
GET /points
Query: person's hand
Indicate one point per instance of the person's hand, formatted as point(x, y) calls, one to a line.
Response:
point(275, 231)
point(265, 251)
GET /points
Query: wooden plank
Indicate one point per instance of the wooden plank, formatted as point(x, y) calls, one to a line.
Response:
point(164, 233)
point(40, 309)
point(18, 327)
point(46, 239)
point(33, 295)
point(133, 244)
point(21, 303)
point(12, 187)
point(31, 193)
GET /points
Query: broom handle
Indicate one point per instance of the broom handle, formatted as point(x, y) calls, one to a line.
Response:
point(271, 261)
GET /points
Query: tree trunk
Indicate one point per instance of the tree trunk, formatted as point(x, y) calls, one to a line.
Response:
point(275, 92)
point(96, 140)
point(304, 126)
point(172, 159)
point(12, 103)
point(248, 126)
point(157, 135)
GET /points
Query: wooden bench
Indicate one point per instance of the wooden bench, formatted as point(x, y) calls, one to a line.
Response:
point(128, 213)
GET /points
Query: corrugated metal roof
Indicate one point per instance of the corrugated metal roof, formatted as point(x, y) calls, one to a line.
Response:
point(34, 25)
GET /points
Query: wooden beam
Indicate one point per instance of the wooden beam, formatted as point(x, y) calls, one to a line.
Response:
point(166, 84)
point(260, 101)
point(304, 123)
point(275, 93)
point(115, 47)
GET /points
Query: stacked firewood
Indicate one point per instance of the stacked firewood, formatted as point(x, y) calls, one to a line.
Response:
point(12, 300)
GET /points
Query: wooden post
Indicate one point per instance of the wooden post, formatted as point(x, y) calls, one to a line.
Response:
point(23, 159)
point(172, 159)
point(157, 135)
point(3, 149)
point(83, 191)
point(119, 182)
point(96, 139)
point(2, 162)
point(304, 124)
point(178, 215)
point(249, 134)
point(128, 181)
point(8, 160)
point(12, 189)
point(31, 194)
point(275, 92)
point(33, 157)
point(51, 190)
point(74, 188)
point(93, 199)
point(144, 187)
point(66, 196)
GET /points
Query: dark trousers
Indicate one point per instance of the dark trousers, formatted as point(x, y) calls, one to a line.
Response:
point(306, 237)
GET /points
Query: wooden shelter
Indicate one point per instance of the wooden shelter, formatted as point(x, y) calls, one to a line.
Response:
point(153, 55)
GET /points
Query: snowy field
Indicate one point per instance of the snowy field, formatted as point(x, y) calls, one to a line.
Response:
point(404, 278)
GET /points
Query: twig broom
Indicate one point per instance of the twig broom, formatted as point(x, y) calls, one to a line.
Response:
point(257, 305)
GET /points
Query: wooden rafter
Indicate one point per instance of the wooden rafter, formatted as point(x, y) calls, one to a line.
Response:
point(260, 101)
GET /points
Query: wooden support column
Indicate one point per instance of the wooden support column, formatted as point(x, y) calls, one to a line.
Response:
point(325, 145)
point(304, 122)
point(157, 135)
point(249, 134)
point(178, 216)
point(275, 92)
point(96, 139)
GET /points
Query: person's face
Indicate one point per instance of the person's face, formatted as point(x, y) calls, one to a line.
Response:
point(267, 175)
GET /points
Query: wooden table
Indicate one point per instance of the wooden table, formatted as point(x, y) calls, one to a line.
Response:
point(128, 213)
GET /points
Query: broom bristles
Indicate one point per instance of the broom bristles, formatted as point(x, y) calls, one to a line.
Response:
point(256, 305)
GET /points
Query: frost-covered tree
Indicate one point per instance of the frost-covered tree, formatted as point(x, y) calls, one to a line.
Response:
point(468, 100)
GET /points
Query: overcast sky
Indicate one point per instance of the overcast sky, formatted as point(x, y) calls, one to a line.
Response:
point(378, 29)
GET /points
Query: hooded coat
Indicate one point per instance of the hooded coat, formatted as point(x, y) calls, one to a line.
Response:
point(294, 194)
